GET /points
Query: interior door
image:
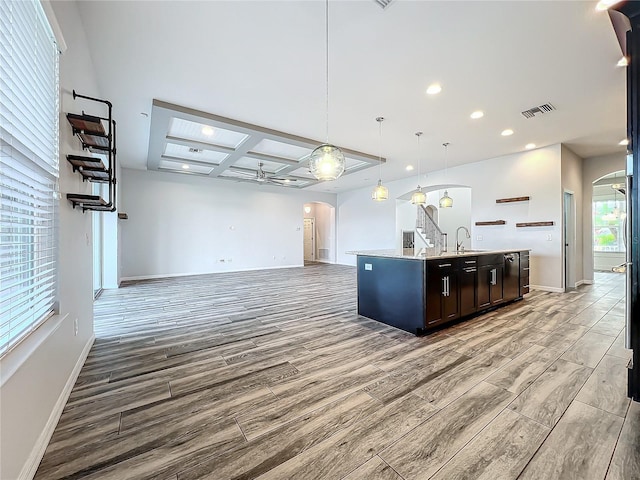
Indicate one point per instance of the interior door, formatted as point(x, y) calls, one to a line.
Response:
point(569, 233)
point(309, 240)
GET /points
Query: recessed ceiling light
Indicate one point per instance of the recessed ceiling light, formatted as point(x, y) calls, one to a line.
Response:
point(605, 4)
point(624, 142)
point(286, 180)
point(623, 62)
point(477, 114)
point(208, 131)
point(408, 168)
point(507, 132)
point(530, 146)
point(185, 166)
point(434, 88)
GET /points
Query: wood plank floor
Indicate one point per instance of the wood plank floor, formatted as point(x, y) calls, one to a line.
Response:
point(272, 374)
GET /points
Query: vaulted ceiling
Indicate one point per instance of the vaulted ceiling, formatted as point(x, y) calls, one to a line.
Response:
point(263, 63)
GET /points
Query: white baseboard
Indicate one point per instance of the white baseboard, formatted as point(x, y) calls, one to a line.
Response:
point(584, 282)
point(33, 462)
point(547, 289)
point(172, 275)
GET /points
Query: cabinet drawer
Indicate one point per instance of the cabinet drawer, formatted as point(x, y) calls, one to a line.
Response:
point(524, 280)
point(444, 264)
point(524, 289)
point(491, 259)
point(524, 261)
point(468, 262)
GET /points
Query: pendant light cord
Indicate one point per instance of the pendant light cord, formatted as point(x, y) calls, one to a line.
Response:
point(418, 134)
point(327, 62)
point(380, 120)
point(445, 145)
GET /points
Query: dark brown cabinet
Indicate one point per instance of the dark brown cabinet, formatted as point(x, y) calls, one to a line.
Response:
point(468, 287)
point(490, 280)
point(524, 272)
point(442, 292)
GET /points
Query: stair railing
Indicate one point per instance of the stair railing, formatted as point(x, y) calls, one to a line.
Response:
point(430, 229)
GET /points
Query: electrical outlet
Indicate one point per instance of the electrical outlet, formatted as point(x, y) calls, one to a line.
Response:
point(75, 327)
point(479, 238)
point(229, 260)
point(549, 237)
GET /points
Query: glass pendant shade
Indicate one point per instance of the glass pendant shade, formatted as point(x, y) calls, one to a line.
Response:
point(326, 162)
point(419, 197)
point(380, 192)
point(446, 201)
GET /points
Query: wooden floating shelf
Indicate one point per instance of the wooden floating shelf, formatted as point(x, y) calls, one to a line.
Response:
point(90, 168)
point(494, 222)
point(89, 202)
point(535, 224)
point(86, 123)
point(514, 199)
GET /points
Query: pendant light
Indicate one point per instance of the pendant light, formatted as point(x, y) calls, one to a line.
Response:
point(327, 161)
point(616, 210)
point(419, 197)
point(446, 201)
point(380, 192)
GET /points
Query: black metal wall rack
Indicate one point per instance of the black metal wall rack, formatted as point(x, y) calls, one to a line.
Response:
point(94, 138)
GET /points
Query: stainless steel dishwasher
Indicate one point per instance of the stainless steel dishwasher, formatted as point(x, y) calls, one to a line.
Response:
point(511, 283)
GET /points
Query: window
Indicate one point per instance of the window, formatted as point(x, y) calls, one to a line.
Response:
point(28, 170)
point(608, 224)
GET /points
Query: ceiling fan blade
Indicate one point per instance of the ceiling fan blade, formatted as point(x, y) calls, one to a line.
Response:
point(242, 172)
point(281, 179)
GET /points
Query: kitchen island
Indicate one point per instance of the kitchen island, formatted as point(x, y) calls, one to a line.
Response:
point(422, 289)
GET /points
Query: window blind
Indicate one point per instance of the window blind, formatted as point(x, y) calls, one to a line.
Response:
point(28, 169)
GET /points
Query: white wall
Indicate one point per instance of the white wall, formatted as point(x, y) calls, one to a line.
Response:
point(572, 181)
point(593, 169)
point(185, 224)
point(38, 374)
point(363, 224)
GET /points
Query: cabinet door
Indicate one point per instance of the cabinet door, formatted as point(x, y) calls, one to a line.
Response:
point(485, 277)
point(442, 292)
point(450, 299)
point(435, 289)
point(468, 299)
point(496, 284)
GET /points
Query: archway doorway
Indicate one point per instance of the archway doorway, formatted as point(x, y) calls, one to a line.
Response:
point(609, 213)
point(319, 235)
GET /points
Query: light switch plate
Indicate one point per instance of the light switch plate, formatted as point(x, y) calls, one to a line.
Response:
point(368, 266)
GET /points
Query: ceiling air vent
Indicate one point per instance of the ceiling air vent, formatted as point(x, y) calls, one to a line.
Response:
point(195, 150)
point(539, 110)
point(383, 3)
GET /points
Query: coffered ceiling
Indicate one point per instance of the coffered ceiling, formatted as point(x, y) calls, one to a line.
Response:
point(262, 63)
point(197, 143)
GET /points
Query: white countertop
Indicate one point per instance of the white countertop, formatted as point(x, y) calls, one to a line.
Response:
point(427, 253)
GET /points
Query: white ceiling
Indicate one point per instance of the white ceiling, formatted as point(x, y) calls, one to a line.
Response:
point(262, 62)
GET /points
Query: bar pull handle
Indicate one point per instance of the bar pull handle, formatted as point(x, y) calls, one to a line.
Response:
point(442, 265)
point(494, 276)
point(444, 286)
point(447, 283)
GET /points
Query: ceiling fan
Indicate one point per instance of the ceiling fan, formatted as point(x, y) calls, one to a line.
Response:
point(262, 177)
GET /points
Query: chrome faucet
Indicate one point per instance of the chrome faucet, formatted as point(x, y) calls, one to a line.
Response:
point(459, 244)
